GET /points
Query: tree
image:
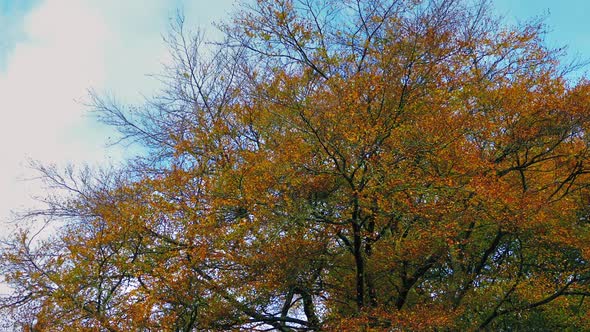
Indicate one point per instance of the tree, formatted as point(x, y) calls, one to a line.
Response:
point(332, 165)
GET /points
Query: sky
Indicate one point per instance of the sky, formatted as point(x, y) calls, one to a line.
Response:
point(53, 51)
point(567, 21)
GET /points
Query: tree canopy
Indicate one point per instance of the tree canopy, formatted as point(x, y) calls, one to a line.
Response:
point(331, 165)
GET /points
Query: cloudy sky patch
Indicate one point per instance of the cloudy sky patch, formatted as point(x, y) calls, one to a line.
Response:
point(52, 52)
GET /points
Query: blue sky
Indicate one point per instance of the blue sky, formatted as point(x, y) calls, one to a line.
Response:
point(52, 51)
point(11, 27)
point(568, 21)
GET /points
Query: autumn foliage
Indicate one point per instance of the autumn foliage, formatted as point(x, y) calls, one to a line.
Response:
point(332, 165)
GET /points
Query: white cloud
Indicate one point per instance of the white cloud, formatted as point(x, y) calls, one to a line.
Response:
point(71, 46)
point(62, 56)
